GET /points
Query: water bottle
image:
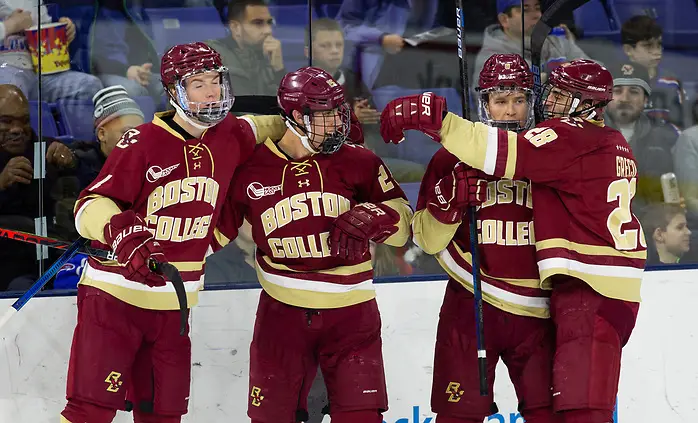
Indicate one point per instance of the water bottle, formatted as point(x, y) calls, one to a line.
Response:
point(558, 31)
point(670, 188)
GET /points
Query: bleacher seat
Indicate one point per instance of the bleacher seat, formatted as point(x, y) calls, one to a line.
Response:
point(597, 20)
point(76, 116)
point(417, 147)
point(330, 10)
point(48, 123)
point(173, 26)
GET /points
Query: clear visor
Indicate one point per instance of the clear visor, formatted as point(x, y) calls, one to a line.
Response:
point(208, 99)
point(506, 108)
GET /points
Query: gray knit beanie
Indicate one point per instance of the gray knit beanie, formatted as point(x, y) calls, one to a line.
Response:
point(113, 102)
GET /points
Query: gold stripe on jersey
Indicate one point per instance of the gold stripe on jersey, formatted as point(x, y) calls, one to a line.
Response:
point(462, 138)
point(589, 250)
point(524, 283)
point(220, 238)
point(403, 209)
point(336, 271)
point(138, 294)
point(510, 302)
point(619, 282)
point(319, 172)
point(314, 294)
point(157, 121)
point(512, 146)
point(269, 143)
point(213, 164)
point(431, 235)
point(266, 126)
point(93, 213)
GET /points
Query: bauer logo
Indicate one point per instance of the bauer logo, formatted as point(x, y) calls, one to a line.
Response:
point(255, 190)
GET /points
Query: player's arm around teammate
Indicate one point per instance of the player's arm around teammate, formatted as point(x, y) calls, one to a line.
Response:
point(516, 313)
point(589, 246)
point(315, 200)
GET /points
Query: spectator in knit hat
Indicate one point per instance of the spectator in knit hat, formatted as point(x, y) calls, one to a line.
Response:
point(651, 142)
point(115, 113)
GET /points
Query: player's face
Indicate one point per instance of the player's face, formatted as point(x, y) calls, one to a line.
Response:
point(627, 105)
point(508, 105)
point(677, 237)
point(254, 27)
point(647, 53)
point(323, 124)
point(15, 127)
point(203, 87)
point(558, 102)
point(512, 24)
point(328, 50)
point(110, 133)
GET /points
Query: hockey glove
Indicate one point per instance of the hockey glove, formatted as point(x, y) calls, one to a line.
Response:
point(423, 112)
point(453, 193)
point(352, 231)
point(134, 246)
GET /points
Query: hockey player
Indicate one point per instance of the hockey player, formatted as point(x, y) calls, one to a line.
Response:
point(158, 196)
point(589, 245)
point(315, 202)
point(516, 310)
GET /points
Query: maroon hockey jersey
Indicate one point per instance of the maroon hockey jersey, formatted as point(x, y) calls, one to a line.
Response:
point(178, 185)
point(291, 206)
point(508, 270)
point(584, 179)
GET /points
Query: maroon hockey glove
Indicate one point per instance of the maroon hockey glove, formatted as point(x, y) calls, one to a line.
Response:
point(134, 246)
point(423, 112)
point(453, 193)
point(365, 222)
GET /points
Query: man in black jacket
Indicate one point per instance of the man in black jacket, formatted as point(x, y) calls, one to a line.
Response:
point(20, 201)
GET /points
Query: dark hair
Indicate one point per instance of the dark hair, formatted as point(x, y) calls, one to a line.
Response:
point(322, 24)
point(639, 28)
point(658, 216)
point(236, 8)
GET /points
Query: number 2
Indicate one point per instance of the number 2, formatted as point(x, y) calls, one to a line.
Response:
point(384, 179)
point(540, 136)
point(623, 191)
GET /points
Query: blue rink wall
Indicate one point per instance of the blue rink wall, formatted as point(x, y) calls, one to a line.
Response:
point(659, 380)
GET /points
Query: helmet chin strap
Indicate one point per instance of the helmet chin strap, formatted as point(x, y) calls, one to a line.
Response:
point(304, 138)
point(189, 120)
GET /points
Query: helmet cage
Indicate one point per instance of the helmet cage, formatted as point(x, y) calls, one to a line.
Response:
point(509, 125)
point(571, 103)
point(331, 143)
point(205, 113)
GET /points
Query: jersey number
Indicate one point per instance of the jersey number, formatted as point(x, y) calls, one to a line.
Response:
point(540, 136)
point(384, 180)
point(623, 191)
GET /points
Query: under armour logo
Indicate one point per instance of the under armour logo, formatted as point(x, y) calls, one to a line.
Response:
point(305, 183)
point(197, 165)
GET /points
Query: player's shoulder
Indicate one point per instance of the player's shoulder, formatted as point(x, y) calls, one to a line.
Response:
point(140, 139)
point(351, 151)
point(443, 158)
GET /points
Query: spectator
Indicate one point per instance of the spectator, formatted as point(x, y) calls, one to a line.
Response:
point(114, 113)
point(651, 142)
point(505, 37)
point(385, 23)
point(122, 52)
point(666, 228)
point(19, 189)
point(328, 54)
point(642, 42)
point(15, 61)
point(252, 55)
point(686, 166)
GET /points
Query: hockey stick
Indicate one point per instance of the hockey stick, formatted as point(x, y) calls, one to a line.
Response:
point(50, 272)
point(538, 36)
point(477, 283)
point(166, 269)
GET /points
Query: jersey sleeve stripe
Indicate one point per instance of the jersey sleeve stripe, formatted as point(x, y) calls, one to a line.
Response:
point(611, 271)
point(429, 234)
point(491, 153)
point(512, 152)
point(589, 250)
point(252, 125)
